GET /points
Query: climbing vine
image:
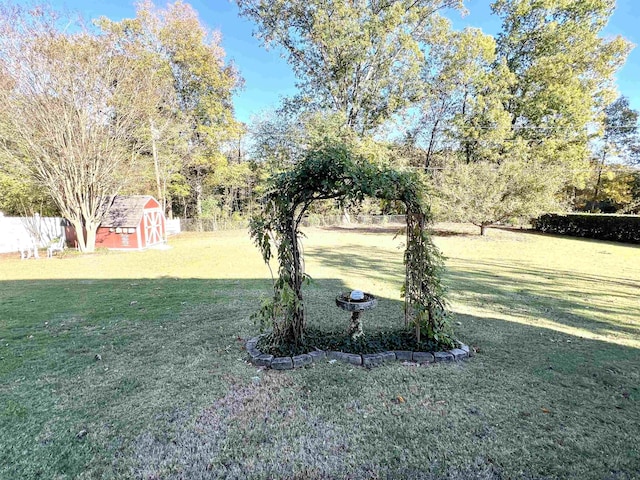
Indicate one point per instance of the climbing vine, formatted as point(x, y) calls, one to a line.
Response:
point(334, 172)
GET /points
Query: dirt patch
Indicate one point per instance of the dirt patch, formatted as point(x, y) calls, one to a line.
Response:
point(224, 440)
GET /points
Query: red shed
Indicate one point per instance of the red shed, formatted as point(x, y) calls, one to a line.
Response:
point(132, 222)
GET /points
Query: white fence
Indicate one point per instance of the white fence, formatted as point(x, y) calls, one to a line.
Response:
point(173, 226)
point(312, 220)
point(330, 220)
point(16, 232)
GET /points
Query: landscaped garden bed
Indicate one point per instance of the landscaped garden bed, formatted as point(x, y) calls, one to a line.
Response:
point(340, 348)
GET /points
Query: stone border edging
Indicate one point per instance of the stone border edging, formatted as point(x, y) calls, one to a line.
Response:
point(368, 360)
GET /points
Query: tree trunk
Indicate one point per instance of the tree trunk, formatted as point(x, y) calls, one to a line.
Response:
point(596, 190)
point(198, 192)
point(79, 228)
point(483, 229)
point(91, 238)
point(167, 205)
point(432, 141)
point(345, 216)
point(156, 164)
point(297, 322)
point(467, 144)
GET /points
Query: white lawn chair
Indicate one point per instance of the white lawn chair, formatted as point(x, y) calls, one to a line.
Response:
point(56, 247)
point(28, 248)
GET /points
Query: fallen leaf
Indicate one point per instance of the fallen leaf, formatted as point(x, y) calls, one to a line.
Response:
point(544, 410)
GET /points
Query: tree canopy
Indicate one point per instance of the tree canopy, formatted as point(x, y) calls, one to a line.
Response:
point(564, 72)
point(189, 115)
point(67, 112)
point(528, 111)
point(534, 106)
point(86, 109)
point(359, 58)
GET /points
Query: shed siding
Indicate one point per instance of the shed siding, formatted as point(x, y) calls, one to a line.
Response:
point(107, 239)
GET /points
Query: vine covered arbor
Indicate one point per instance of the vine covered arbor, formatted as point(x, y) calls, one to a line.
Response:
point(336, 173)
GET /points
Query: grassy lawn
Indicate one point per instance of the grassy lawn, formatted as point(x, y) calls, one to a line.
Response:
point(131, 365)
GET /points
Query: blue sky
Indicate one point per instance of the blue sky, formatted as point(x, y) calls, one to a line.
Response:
point(268, 77)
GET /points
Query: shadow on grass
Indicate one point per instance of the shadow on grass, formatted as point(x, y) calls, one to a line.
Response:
point(393, 229)
point(373, 262)
point(442, 231)
point(171, 395)
point(602, 305)
point(531, 231)
point(518, 290)
point(396, 229)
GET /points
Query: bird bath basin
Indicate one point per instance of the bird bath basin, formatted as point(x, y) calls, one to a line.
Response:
point(356, 302)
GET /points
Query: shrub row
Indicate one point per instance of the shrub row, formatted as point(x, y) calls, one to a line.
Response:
point(618, 228)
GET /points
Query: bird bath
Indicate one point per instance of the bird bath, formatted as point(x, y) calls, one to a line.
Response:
point(356, 302)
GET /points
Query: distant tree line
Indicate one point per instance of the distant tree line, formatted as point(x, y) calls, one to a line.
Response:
point(503, 128)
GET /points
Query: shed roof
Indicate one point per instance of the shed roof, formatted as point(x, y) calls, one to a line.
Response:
point(125, 211)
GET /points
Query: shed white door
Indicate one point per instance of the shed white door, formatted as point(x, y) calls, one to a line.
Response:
point(153, 226)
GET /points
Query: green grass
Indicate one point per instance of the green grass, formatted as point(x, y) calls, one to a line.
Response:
point(553, 391)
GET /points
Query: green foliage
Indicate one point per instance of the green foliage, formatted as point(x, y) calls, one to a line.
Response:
point(68, 111)
point(608, 189)
point(337, 340)
point(564, 71)
point(463, 96)
point(611, 188)
point(19, 196)
point(281, 139)
point(485, 193)
point(425, 308)
point(188, 116)
point(619, 228)
point(620, 137)
point(359, 58)
point(335, 172)
point(504, 124)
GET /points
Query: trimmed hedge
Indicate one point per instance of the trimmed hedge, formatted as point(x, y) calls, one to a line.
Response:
point(617, 228)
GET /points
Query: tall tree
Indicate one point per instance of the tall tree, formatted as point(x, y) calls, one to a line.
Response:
point(619, 139)
point(190, 114)
point(67, 112)
point(21, 196)
point(485, 193)
point(361, 58)
point(563, 69)
point(281, 139)
point(524, 130)
point(463, 93)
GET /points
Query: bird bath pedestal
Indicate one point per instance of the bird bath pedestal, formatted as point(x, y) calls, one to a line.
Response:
point(356, 302)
